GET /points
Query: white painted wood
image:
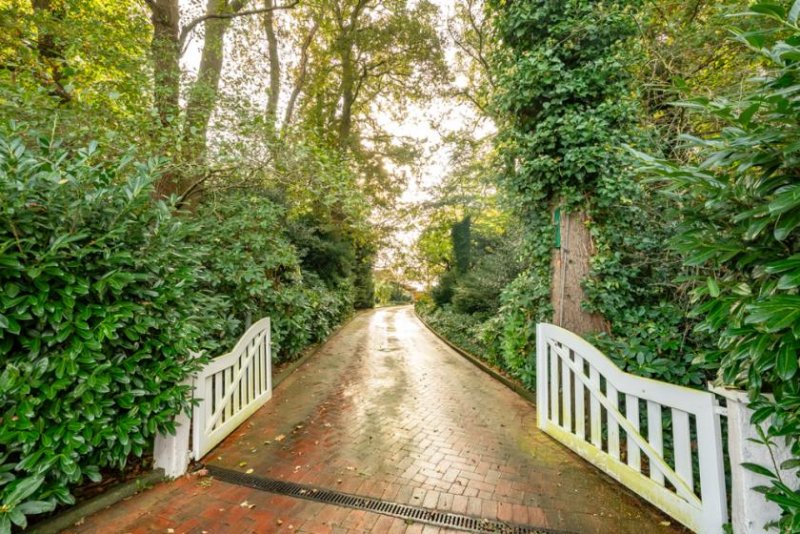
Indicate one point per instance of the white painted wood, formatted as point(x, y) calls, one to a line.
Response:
point(242, 382)
point(580, 395)
point(632, 415)
point(655, 436)
point(566, 396)
point(682, 445)
point(706, 512)
point(595, 424)
point(542, 405)
point(750, 512)
point(172, 453)
point(613, 427)
point(554, 386)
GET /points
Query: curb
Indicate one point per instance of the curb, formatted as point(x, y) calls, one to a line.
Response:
point(513, 385)
point(69, 517)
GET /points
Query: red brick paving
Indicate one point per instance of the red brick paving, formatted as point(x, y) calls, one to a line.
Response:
point(386, 410)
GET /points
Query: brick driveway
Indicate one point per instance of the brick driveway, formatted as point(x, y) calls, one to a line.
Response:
point(387, 410)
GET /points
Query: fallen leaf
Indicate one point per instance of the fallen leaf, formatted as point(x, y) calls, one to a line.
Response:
point(665, 523)
point(245, 504)
point(249, 471)
point(242, 464)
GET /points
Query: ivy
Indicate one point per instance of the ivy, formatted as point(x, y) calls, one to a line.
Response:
point(566, 107)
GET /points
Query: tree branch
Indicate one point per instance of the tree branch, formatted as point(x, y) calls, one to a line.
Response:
point(200, 20)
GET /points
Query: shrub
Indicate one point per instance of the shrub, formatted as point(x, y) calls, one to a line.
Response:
point(255, 267)
point(98, 313)
point(459, 328)
point(479, 290)
point(741, 214)
point(444, 290)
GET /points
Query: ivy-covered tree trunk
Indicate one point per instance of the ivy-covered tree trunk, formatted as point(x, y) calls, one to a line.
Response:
point(461, 234)
point(565, 110)
point(570, 265)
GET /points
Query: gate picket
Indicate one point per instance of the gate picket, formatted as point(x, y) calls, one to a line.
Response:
point(673, 490)
point(231, 387)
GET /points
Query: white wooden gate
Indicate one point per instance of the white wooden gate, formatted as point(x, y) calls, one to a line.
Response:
point(231, 388)
point(617, 421)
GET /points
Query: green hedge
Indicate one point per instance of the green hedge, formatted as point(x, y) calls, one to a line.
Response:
point(105, 291)
point(97, 318)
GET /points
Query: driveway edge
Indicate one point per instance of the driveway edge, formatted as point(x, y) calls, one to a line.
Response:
point(513, 385)
point(121, 491)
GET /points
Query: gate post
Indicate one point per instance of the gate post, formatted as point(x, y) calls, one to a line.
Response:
point(750, 511)
point(171, 453)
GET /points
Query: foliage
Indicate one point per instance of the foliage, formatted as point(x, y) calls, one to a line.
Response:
point(478, 290)
point(106, 293)
point(388, 292)
point(442, 293)
point(260, 272)
point(364, 282)
point(740, 210)
point(463, 330)
point(565, 104)
point(270, 217)
point(686, 52)
point(461, 236)
point(98, 316)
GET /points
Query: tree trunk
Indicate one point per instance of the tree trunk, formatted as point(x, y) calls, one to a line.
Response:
point(51, 48)
point(570, 266)
point(166, 58)
point(300, 80)
point(202, 96)
point(347, 92)
point(274, 67)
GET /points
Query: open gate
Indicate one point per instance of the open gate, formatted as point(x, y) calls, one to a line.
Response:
point(231, 388)
point(660, 440)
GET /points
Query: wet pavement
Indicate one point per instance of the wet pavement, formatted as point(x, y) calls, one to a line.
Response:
point(386, 410)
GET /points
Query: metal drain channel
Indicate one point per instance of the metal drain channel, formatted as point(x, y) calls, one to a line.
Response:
point(378, 506)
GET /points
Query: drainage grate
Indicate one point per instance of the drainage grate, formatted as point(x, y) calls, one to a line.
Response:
point(402, 511)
